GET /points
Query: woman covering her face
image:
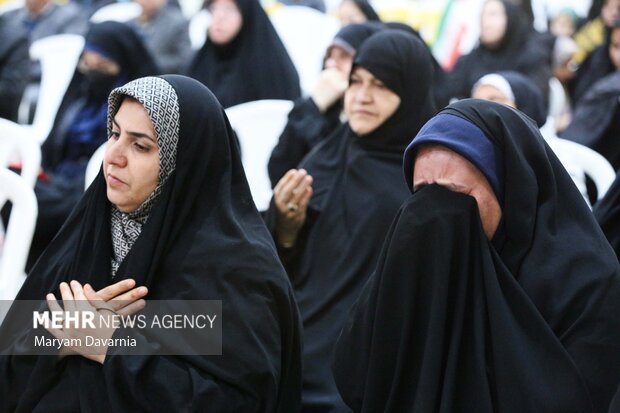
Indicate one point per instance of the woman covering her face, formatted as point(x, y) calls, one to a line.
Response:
point(495, 289)
point(243, 58)
point(171, 209)
point(506, 43)
point(329, 217)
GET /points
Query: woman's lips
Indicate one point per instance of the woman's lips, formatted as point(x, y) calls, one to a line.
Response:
point(115, 181)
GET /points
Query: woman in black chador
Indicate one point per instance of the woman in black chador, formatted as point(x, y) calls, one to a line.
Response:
point(329, 217)
point(496, 290)
point(243, 58)
point(171, 212)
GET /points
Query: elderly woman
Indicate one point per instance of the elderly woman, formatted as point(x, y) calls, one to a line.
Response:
point(495, 289)
point(171, 209)
point(329, 217)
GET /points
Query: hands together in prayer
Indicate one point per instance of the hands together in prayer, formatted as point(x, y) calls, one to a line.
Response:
point(119, 299)
point(292, 194)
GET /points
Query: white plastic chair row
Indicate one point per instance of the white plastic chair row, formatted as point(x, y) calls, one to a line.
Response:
point(19, 232)
point(258, 126)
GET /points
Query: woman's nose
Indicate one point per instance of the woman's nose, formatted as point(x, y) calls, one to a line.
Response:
point(115, 152)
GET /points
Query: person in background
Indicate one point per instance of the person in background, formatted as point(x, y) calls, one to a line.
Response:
point(14, 66)
point(243, 58)
point(315, 117)
point(590, 36)
point(515, 90)
point(496, 290)
point(165, 32)
point(603, 61)
point(356, 11)
point(42, 18)
point(329, 217)
point(506, 43)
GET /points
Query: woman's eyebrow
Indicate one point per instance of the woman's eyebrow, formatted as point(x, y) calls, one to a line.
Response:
point(135, 134)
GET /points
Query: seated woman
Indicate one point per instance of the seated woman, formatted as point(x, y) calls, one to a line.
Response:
point(603, 61)
point(495, 290)
point(514, 89)
point(113, 55)
point(170, 211)
point(328, 217)
point(317, 116)
point(507, 42)
point(243, 58)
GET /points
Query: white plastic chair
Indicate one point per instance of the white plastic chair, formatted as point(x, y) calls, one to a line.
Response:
point(94, 165)
point(198, 26)
point(18, 233)
point(118, 12)
point(17, 145)
point(258, 126)
point(59, 55)
point(578, 159)
point(294, 25)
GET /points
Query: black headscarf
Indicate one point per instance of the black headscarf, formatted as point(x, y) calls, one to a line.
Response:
point(454, 322)
point(350, 37)
point(517, 51)
point(203, 240)
point(607, 213)
point(357, 188)
point(254, 65)
point(597, 65)
point(596, 119)
point(118, 42)
point(439, 75)
point(366, 9)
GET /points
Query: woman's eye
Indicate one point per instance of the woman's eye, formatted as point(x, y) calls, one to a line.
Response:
point(354, 81)
point(114, 135)
point(141, 148)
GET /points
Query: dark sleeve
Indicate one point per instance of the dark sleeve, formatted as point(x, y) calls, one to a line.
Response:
point(305, 128)
point(14, 71)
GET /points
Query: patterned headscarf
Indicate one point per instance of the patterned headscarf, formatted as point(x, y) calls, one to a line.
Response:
point(162, 105)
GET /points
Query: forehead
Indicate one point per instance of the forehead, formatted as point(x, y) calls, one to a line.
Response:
point(440, 161)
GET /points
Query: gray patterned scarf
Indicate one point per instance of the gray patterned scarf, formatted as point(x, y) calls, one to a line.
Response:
point(162, 105)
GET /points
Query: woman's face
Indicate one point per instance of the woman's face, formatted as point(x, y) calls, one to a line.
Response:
point(488, 92)
point(226, 21)
point(368, 103)
point(338, 58)
point(493, 23)
point(436, 164)
point(614, 48)
point(610, 12)
point(349, 13)
point(94, 62)
point(131, 160)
